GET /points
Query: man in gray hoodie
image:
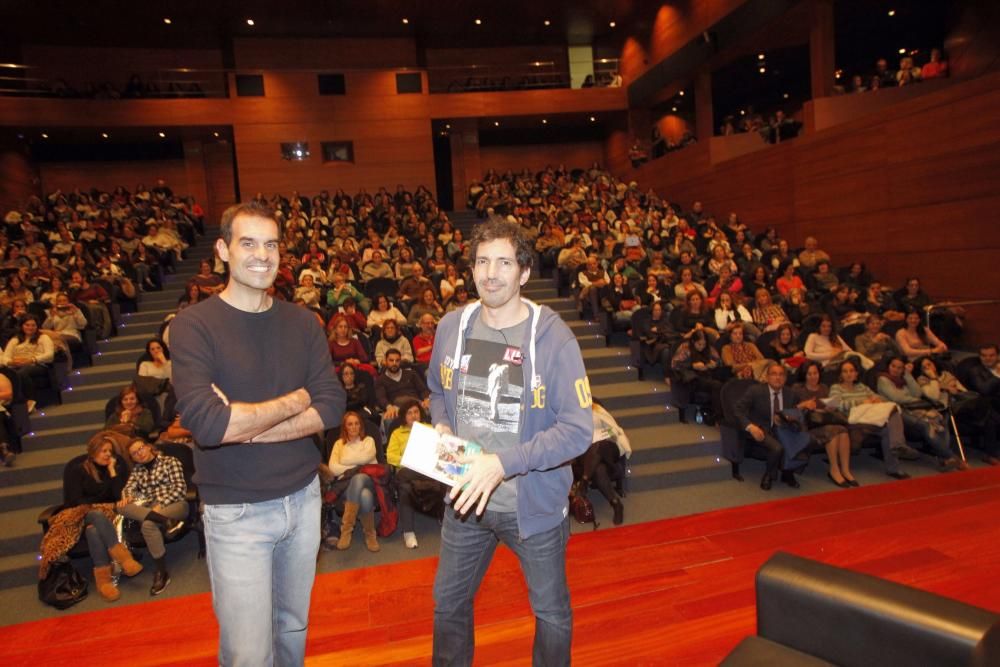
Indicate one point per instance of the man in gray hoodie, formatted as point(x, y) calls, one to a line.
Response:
point(507, 374)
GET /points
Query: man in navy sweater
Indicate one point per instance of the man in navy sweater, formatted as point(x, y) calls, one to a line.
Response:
point(254, 382)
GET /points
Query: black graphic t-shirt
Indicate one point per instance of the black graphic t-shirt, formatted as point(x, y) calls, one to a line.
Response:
point(490, 388)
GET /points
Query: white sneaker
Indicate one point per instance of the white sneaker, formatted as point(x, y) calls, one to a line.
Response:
point(410, 540)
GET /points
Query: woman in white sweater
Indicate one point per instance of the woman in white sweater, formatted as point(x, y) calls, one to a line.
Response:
point(352, 450)
point(29, 353)
point(66, 319)
point(827, 347)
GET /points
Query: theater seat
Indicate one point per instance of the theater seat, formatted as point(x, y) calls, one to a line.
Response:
point(810, 613)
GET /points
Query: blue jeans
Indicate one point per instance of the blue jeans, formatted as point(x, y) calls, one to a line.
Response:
point(101, 536)
point(467, 548)
point(361, 490)
point(262, 562)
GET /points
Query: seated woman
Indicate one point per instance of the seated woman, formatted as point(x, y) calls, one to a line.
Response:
point(130, 416)
point(384, 311)
point(827, 347)
point(95, 486)
point(656, 336)
point(619, 300)
point(392, 338)
point(826, 280)
point(155, 496)
point(728, 283)
point(599, 464)
point(191, 296)
point(695, 365)
point(875, 343)
point(29, 353)
point(922, 422)
point(849, 393)
point(916, 340)
point(657, 268)
point(768, 316)
point(728, 314)
point(786, 349)
point(67, 320)
point(341, 290)
point(345, 348)
point(408, 481)
point(352, 450)
point(307, 292)
point(360, 395)
point(155, 376)
point(694, 316)
point(913, 297)
point(687, 285)
point(652, 292)
point(719, 260)
point(450, 281)
point(742, 357)
point(428, 305)
point(756, 279)
point(789, 280)
point(827, 428)
point(971, 411)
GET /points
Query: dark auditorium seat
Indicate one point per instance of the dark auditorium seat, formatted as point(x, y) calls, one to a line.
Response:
point(810, 613)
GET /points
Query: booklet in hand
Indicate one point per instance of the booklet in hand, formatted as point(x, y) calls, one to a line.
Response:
point(436, 455)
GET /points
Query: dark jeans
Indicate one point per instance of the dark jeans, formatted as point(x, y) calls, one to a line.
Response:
point(770, 449)
point(467, 548)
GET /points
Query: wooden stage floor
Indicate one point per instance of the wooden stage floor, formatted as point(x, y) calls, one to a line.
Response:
point(672, 592)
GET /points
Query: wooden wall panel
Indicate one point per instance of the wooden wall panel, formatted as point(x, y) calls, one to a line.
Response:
point(538, 156)
point(219, 177)
point(323, 54)
point(18, 178)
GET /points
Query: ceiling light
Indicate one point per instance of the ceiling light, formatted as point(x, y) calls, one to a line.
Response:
point(674, 109)
point(760, 56)
point(545, 121)
point(593, 119)
point(44, 136)
point(163, 135)
point(742, 112)
point(406, 21)
point(479, 21)
point(215, 134)
point(682, 93)
point(496, 123)
point(612, 24)
point(167, 20)
point(548, 22)
point(902, 51)
point(785, 96)
point(250, 22)
point(447, 126)
point(762, 69)
point(104, 135)
point(892, 12)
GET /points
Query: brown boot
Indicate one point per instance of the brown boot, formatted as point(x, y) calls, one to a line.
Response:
point(347, 525)
point(121, 555)
point(368, 523)
point(106, 587)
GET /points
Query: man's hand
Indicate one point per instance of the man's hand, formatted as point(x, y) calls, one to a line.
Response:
point(756, 432)
point(485, 474)
point(443, 429)
point(391, 412)
point(426, 403)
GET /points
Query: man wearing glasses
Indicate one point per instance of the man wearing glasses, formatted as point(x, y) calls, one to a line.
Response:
point(155, 495)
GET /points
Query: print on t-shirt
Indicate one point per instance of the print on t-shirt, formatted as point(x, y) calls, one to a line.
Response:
point(490, 388)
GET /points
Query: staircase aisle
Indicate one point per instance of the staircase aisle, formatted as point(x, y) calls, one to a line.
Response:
point(60, 432)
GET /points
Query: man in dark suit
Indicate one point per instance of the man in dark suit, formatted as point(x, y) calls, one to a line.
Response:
point(757, 412)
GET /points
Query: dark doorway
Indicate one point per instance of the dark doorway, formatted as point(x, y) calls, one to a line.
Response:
point(442, 172)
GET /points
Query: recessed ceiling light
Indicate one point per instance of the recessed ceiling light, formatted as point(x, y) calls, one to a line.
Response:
point(548, 22)
point(166, 19)
point(674, 109)
point(545, 121)
point(760, 56)
point(250, 22)
point(742, 112)
point(163, 135)
point(612, 24)
point(785, 96)
point(593, 119)
point(761, 69)
point(892, 12)
point(447, 126)
point(104, 135)
point(44, 136)
point(901, 51)
point(682, 93)
point(406, 21)
point(479, 21)
point(215, 134)
point(496, 123)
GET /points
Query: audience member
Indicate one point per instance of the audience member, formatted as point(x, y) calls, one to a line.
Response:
point(353, 450)
point(396, 384)
point(599, 465)
point(828, 428)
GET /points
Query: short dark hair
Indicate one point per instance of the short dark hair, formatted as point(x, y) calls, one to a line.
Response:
point(392, 350)
point(254, 209)
point(495, 229)
point(989, 346)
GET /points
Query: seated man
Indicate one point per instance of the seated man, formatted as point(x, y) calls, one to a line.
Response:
point(757, 413)
point(984, 378)
point(412, 287)
point(591, 276)
point(395, 385)
point(155, 496)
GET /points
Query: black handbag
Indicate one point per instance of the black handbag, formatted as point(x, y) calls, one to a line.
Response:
point(63, 587)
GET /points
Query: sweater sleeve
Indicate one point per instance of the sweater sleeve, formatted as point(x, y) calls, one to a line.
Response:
point(47, 350)
point(203, 412)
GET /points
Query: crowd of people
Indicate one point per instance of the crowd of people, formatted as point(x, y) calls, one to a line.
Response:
point(907, 73)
